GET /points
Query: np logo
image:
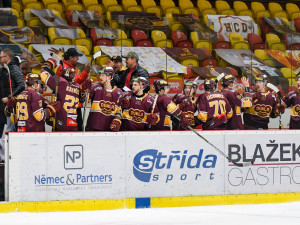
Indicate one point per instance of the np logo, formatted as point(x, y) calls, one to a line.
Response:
point(73, 157)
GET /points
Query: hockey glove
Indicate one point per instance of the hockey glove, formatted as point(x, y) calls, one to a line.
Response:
point(86, 85)
point(52, 108)
point(115, 125)
point(125, 103)
point(280, 108)
point(184, 121)
point(11, 104)
point(152, 119)
point(184, 106)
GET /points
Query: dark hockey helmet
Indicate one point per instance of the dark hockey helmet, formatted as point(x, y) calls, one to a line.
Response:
point(210, 84)
point(159, 84)
point(261, 77)
point(191, 84)
point(32, 78)
point(68, 73)
point(227, 80)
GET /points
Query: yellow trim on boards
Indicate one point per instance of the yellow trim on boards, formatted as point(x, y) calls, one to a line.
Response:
point(224, 200)
point(74, 205)
point(159, 202)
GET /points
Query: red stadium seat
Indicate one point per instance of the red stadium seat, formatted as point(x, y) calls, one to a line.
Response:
point(99, 41)
point(222, 45)
point(140, 38)
point(297, 24)
point(265, 28)
point(180, 40)
point(255, 41)
point(209, 62)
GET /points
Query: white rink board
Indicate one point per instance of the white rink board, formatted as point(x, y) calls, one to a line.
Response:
point(148, 164)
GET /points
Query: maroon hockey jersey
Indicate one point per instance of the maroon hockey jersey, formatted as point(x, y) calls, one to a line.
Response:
point(106, 105)
point(166, 108)
point(263, 106)
point(29, 112)
point(213, 110)
point(69, 96)
point(188, 112)
point(292, 99)
point(235, 101)
point(135, 116)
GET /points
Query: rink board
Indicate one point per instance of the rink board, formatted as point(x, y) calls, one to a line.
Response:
point(151, 168)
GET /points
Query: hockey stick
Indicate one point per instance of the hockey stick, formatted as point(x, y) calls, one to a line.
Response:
point(96, 55)
point(153, 106)
point(274, 88)
point(244, 164)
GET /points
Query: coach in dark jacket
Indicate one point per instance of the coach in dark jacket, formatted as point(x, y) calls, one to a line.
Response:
point(17, 80)
point(123, 79)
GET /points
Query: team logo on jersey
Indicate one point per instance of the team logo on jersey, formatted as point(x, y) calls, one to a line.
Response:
point(297, 109)
point(262, 110)
point(106, 107)
point(137, 115)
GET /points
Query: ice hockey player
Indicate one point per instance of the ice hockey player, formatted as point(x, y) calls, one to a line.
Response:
point(264, 105)
point(235, 100)
point(29, 107)
point(105, 114)
point(213, 108)
point(292, 99)
point(139, 110)
point(69, 94)
point(167, 108)
point(187, 103)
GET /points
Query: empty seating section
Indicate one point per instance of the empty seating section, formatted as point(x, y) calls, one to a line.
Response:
point(174, 33)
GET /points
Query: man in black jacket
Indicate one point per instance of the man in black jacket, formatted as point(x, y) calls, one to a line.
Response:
point(123, 80)
point(15, 81)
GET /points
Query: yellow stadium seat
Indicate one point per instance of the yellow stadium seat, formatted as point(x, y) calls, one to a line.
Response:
point(123, 42)
point(20, 22)
point(203, 44)
point(112, 5)
point(164, 44)
point(206, 8)
point(47, 2)
point(223, 8)
point(112, 23)
point(274, 43)
point(178, 27)
point(292, 10)
point(17, 6)
point(151, 7)
point(276, 10)
point(241, 9)
point(59, 7)
point(83, 41)
point(102, 60)
point(131, 5)
point(83, 49)
point(237, 41)
point(187, 7)
point(15, 12)
point(159, 38)
point(168, 6)
point(190, 62)
point(57, 40)
point(34, 5)
point(287, 72)
point(263, 55)
point(98, 8)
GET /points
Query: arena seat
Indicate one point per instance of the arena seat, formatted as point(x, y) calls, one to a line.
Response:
point(255, 41)
point(34, 5)
point(190, 62)
point(241, 9)
point(292, 10)
point(59, 7)
point(112, 5)
point(17, 6)
point(93, 5)
point(151, 7)
point(102, 40)
point(263, 55)
point(187, 7)
point(223, 8)
point(259, 10)
point(276, 10)
point(274, 42)
point(72, 5)
point(131, 5)
point(123, 39)
point(112, 23)
point(206, 8)
point(237, 41)
point(288, 72)
point(209, 62)
point(57, 40)
point(140, 38)
point(159, 39)
point(180, 40)
point(168, 6)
